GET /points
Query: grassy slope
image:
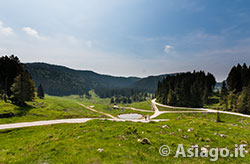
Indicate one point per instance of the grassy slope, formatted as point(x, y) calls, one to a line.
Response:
point(145, 105)
point(45, 109)
point(78, 143)
point(53, 107)
point(105, 106)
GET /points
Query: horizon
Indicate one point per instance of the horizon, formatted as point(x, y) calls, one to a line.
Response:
point(129, 38)
point(141, 77)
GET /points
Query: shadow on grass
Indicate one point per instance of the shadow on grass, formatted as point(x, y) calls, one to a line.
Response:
point(23, 110)
point(18, 111)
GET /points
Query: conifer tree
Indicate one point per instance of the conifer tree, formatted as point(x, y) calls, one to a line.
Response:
point(40, 92)
point(224, 91)
point(22, 89)
point(10, 67)
point(244, 101)
point(205, 96)
point(112, 101)
point(171, 98)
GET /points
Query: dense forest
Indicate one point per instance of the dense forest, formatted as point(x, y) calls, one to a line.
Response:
point(16, 83)
point(186, 89)
point(235, 91)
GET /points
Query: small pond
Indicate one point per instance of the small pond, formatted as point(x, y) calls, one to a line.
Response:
point(130, 116)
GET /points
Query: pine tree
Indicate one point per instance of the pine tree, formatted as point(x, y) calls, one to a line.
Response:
point(171, 98)
point(112, 101)
point(23, 89)
point(245, 75)
point(40, 92)
point(224, 91)
point(10, 67)
point(244, 101)
point(205, 96)
point(234, 79)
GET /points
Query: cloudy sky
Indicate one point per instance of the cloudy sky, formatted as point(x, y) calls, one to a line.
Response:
point(129, 37)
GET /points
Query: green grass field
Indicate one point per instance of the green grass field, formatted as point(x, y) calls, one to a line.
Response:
point(103, 141)
point(145, 105)
point(53, 107)
point(105, 106)
point(79, 143)
point(45, 109)
point(108, 108)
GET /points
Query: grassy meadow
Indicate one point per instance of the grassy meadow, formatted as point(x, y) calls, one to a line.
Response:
point(51, 107)
point(103, 141)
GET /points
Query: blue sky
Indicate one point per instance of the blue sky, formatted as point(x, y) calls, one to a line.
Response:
point(129, 37)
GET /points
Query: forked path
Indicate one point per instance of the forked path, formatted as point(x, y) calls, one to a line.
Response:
point(199, 110)
point(76, 120)
point(194, 110)
point(112, 118)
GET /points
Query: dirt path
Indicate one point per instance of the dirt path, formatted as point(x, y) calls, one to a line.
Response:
point(71, 121)
point(106, 114)
point(112, 118)
point(200, 110)
point(76, 120)
point(39, 123)
point(157, 112)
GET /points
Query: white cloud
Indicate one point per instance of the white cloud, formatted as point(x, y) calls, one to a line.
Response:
point(167, 49)
point(89, 43)
point(5, 30)
point(32, 32)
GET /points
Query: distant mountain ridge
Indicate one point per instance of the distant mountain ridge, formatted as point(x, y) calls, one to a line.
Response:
point(61, 81)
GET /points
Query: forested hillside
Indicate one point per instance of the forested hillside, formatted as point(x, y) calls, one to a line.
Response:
point(60, 81)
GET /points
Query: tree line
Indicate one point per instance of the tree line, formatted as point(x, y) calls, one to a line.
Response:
point(16, 83)
point(125, 96)
point(137, 97)
point(235, 91)
point(186, 89)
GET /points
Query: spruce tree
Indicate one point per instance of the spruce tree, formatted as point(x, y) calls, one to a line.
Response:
point(10, 67)
point(224, 90)
point(112, 101)
point(234, 79)
point(245, 74)
point(244, 101)
point(22, 89)
point(40, 92)
point(205, 96)
point(171, 98)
